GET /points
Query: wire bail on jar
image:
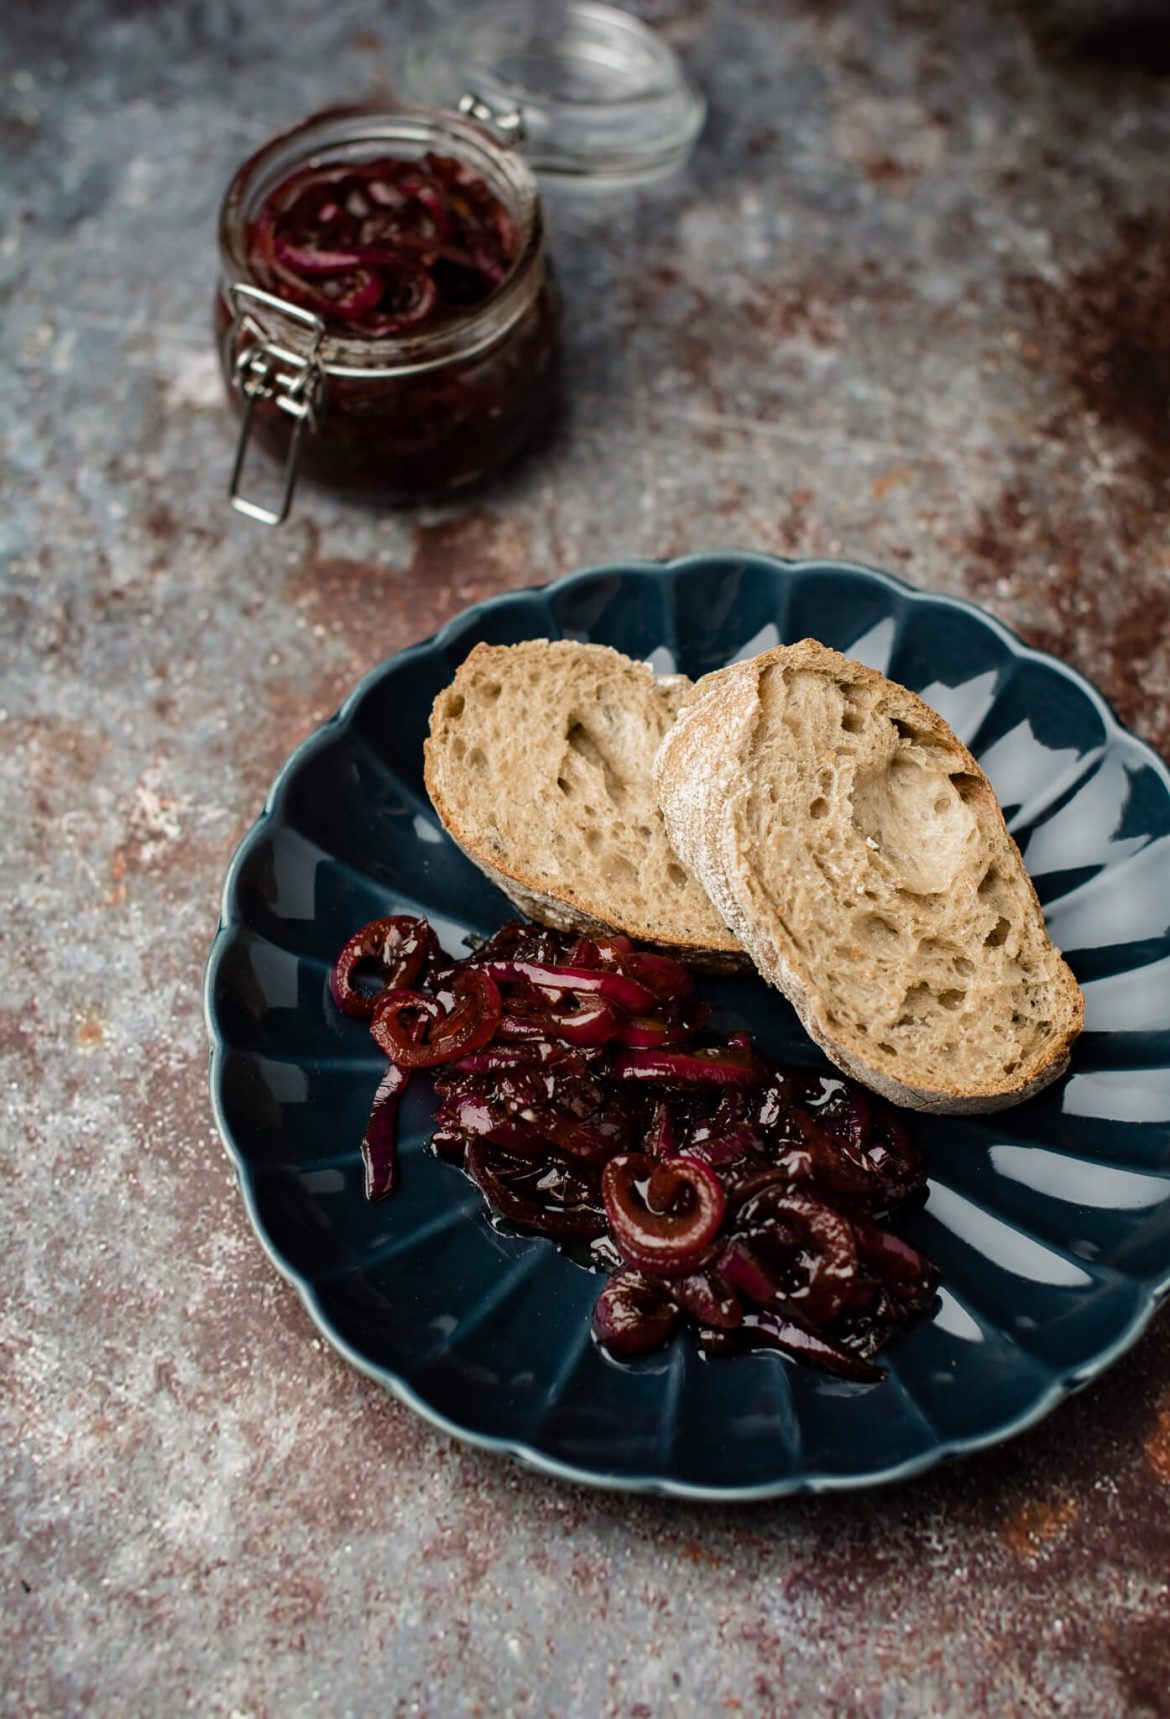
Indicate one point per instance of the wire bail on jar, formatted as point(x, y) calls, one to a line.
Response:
point(263, 369)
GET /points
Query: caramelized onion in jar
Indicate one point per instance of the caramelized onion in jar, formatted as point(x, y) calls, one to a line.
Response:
point(387, 318)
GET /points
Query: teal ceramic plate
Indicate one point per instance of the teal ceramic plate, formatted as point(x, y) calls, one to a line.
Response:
point(1050, 1222)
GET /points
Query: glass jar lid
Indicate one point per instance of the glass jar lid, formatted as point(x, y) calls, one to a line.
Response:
point(591, 93)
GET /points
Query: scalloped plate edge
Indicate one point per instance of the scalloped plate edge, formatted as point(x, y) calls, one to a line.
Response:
point(1065, 1383)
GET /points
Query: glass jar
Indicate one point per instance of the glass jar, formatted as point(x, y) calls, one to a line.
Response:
point(394, 418)
point(582, 92)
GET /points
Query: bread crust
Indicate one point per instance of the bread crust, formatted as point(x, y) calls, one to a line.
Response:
point(703, 787)
point(570, 909)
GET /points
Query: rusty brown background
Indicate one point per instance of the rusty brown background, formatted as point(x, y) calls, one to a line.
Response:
point(909, 304)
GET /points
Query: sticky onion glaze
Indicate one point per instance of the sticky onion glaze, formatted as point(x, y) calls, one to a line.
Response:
point(579, 1090)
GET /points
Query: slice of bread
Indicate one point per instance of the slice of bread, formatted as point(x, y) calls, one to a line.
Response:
point(859, 853)
point(539, 765)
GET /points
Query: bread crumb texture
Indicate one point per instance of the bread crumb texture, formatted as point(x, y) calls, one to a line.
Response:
point(904, 898)
point(539, 763)
point(861, 854)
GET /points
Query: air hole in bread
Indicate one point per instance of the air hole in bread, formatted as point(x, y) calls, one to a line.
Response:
point(907, 731)
point(940, 806)
point(952, 999)
point(645, 832)
point(454, 706)
point(894, 808)
point(593, 840)
point(888, 1048)
point(458, 748)
point(616, 868)
point(989, 882)
point(965, 785)
point(586, 747)
point(565, 787)
point(917, 1004)
point(1010, 1067)
point(492, 691)
point(819, 807)
point(873, 929)
point(676, 874)
point(998, 935)
point(477, 759)
point(963, 966)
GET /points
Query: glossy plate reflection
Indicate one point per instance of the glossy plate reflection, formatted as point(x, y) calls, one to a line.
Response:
point(1050, 1222)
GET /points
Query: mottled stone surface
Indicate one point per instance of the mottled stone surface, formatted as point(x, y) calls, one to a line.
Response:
point(910, 304)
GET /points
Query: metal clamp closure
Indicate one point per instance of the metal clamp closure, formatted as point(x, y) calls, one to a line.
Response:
point(504, 118)
point(262, 369)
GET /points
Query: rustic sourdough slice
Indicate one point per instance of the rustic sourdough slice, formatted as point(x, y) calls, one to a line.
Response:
point(539, 765)
point(859, 853)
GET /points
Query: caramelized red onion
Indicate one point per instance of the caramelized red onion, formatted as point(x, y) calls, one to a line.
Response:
point(728, 1065)
point(446, 1034)
point(386, 247)
point(634, 1315)
point(765, 1330)
point(390, 952)
point(663, 1212)
point(739, 1199)
point(576, 1221)
point(380, 1140)
point(613, 986)
point(592, 1022)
